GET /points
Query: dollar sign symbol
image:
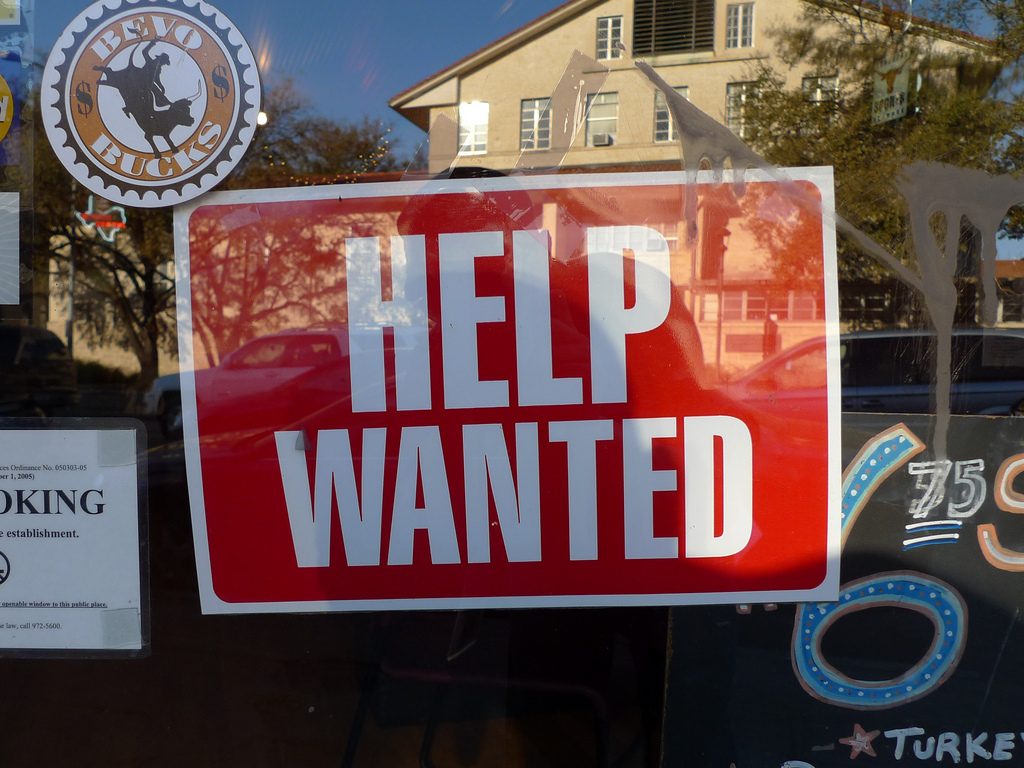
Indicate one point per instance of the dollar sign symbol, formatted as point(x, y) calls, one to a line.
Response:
point(221, 86)
point(83, 94)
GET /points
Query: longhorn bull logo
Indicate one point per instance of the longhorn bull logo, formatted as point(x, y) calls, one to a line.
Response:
point(145, 99)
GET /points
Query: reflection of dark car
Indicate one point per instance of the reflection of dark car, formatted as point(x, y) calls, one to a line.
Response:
point(36, 373)
point(893, 372)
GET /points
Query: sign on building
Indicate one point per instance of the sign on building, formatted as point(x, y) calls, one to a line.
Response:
point(507, 392)
point(891, 89)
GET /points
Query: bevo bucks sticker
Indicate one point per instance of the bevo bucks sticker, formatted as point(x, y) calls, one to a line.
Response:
point(150, 102)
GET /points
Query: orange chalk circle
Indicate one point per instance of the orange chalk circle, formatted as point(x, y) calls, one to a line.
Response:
point(995, 553)
point(1007, 499)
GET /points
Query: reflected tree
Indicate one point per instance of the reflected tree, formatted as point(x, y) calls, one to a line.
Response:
point(124, 291)
point(956, 208)
point(953, 119)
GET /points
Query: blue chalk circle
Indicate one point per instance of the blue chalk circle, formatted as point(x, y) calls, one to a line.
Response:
point(942, 604)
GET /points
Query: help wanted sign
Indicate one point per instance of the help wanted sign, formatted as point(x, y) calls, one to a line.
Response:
point(540, 391)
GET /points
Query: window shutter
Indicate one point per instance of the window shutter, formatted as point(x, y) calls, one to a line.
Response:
point(673, 26)
point(643, 27)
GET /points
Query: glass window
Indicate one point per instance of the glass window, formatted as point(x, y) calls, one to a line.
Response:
point(313, 351)
point(264, 353)
point(778, 306)
point(756, 306)
point(609, 37)
point(491, 386)
point(732, 305)
point(804, 307)
point(42, 348)
point(602, 119)
point(709, 307)
point(892, 360)
point(535, 124)
point(473, 127)
point(801, 371)
point(664, 129)
point(821, 90)
point(739, 25)
point(736, 97)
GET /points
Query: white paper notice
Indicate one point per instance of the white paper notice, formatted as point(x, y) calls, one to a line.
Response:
point(10, 277)
point(69, 540)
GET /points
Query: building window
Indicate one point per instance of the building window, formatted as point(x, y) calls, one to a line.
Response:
point(737, 98)
point(673, 26)
point(664, 126)
point(535, 124)
point(824, 93)
point(602, 119)
point(739, 25)
point(732, 305)
point(609, 37)
point(805, 307)
point(821, 90)
point(473, 127)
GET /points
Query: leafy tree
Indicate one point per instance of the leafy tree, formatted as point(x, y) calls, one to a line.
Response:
point(124, 292)
point(953, 117)
point(297, 147)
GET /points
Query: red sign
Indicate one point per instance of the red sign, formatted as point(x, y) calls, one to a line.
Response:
point(540, 391)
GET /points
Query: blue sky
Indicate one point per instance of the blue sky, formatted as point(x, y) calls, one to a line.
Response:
point(349, 57)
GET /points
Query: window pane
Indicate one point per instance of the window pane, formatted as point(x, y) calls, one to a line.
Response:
point(535, 124)
point(739, 26)
point(473, 127)
point(732, 305)
point(664, 130)
point(609, 37)
point(736, 98)
point(804, 307)
point(756, 305)
point(602, 118)
point(821, 90)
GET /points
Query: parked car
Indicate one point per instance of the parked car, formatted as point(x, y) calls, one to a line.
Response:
point(37, 376)
point(274, 362)
point(163, 401)
point(893, 372)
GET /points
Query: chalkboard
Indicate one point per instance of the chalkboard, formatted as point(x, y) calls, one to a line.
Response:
point(922, 658)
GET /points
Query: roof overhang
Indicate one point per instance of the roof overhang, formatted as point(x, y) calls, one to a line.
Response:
point(441, 88)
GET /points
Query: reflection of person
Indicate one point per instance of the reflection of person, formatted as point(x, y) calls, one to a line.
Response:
point(771, 335)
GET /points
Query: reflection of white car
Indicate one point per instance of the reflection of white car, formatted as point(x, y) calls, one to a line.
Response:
point(163, 400)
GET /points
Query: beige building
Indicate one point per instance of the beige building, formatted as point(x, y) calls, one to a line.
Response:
point(564, 90)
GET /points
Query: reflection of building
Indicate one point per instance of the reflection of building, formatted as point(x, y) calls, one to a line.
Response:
point(1010, 286)
point(506, 105)
point(564, 92)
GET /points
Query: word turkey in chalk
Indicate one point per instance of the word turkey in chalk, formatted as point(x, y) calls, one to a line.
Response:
point(421, 487)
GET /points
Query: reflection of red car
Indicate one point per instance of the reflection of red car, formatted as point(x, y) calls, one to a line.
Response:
point(785, 384)
point(274, 377)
